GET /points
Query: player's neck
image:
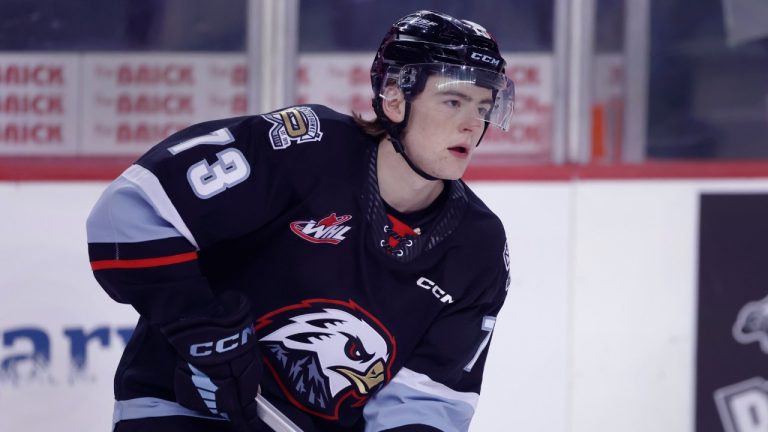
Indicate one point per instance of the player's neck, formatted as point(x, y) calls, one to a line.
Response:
point(401, 187)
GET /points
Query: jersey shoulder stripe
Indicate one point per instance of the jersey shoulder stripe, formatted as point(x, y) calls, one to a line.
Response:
point(159, 199)
point(125, 214)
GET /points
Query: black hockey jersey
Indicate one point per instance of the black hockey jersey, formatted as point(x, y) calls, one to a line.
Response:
point(364, 322)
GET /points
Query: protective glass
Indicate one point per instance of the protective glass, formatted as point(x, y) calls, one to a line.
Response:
point(452, 79)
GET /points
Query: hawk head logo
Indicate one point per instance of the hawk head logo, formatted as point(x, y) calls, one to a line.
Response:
point(324, 352)
point(752, 324)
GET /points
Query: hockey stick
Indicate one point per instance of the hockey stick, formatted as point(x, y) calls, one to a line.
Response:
point(270, 415)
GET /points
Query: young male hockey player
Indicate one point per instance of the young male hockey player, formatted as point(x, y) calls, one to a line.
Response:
point(304, 270)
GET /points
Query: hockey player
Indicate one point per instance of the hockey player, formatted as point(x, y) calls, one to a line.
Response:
point(307, 270)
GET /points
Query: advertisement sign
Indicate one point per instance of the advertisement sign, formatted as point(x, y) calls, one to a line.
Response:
point(61, 336)
point(133, 101)
point(38, 104)
point(731, 372)
point(121, 104)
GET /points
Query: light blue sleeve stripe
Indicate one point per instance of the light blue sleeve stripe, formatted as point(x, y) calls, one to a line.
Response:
point(398, 404)
point(145, 407)
point(123, 214)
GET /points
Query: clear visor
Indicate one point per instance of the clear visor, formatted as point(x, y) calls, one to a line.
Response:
point(495, 107)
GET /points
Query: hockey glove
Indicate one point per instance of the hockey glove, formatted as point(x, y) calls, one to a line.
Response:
point(220, 366)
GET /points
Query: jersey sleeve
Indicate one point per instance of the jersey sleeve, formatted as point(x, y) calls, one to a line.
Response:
point(206, 184)
point(439, 386)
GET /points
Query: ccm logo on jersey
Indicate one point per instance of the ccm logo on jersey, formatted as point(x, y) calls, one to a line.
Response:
point(330, 229)
point(222, 345)
point(435, 289)
point(484, 58)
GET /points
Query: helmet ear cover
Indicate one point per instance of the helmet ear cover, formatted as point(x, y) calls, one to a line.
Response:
point(413, 81)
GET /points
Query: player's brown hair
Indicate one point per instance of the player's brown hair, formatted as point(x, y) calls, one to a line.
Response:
point(370, 127)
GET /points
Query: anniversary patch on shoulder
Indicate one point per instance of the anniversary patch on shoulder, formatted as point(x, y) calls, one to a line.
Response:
point(296, 124)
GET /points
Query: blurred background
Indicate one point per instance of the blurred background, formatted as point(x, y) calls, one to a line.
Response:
point(633, 186)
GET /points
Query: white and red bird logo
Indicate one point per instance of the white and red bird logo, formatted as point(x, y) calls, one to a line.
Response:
point(324, 353)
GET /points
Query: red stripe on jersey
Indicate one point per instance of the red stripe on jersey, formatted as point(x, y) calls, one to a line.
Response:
point(143, 263)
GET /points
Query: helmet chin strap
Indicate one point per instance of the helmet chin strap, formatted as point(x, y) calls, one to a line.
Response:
point(400, 149)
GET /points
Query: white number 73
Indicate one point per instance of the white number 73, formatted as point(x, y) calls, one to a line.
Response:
point(230, 169)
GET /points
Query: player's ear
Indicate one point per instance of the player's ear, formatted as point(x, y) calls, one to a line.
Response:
point(393, 103)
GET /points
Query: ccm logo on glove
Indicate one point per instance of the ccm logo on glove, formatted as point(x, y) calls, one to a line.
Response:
point(222, 345)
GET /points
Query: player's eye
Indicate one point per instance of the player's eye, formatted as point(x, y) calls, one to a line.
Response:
point(354, 349)
point(484, 110)
point(453, 103)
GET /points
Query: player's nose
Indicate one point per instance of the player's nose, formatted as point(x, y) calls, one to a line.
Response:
point(471, 121)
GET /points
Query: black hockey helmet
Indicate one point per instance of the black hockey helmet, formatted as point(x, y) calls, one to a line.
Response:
point(433, 37)
point(425, 43)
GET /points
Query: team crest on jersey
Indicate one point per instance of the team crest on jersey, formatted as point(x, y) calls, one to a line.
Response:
point(298, 124)
point(330, 229)
point(325, 354)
